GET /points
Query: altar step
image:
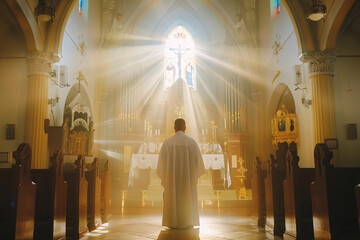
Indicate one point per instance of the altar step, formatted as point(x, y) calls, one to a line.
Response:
point(153, 197)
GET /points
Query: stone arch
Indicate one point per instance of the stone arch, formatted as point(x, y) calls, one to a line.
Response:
point(198, 20)
point(281, 96)
point(57, 29)
point(282, 116)
point(307, 41)
point(301, 26)
point(28, 24)
point(335, 18)
point(35, 39)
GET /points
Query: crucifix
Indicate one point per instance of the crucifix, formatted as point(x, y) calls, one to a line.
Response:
point(179, 52)
point(80, 78)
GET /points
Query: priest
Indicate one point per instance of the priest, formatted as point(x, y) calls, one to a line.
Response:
point(179, 166)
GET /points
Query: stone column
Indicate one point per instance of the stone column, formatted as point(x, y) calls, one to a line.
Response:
point(39, 67)
point(321, 73)
point(259, 126)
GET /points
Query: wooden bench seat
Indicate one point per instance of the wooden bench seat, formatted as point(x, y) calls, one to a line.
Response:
point(333, 198)
point(274, 191)
point(105, 193)
point(258, 193)
point(50, 207)
point(76, 207)
point(297, 197)
point(93, 195)
point(17, 197)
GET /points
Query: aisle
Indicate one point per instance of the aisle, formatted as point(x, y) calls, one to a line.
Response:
point(145, 224)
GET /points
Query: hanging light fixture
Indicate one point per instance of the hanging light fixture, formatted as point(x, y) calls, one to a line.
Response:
point(44, 12)
point(317, 10)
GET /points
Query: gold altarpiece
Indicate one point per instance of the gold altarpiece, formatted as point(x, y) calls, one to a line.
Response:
point(284, 127)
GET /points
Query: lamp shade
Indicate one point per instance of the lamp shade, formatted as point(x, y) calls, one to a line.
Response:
point(43, 12)
point(317, 11)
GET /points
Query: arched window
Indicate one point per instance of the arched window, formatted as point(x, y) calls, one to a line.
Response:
point(179, 60)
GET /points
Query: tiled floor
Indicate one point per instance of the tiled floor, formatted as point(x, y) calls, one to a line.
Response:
point(145, 223)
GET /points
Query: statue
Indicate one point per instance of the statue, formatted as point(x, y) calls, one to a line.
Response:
point(116, 30)
point(65, 135)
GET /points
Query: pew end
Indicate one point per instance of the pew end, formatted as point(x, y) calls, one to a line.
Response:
point(258, 191)
point(93, 195)
point(51, 194)
point(333, 198)
point(297, 197)
point(76, 207)
point(105, 193)
point(18, 193)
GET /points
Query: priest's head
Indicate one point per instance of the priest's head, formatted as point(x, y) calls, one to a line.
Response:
point(179, 125)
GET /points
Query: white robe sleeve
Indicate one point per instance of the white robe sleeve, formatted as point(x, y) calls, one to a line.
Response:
point(199, 162)
point(161, 165)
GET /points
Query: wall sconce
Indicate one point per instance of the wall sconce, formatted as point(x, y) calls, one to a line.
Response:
point(304, 101)
point(59, 76)
point(44, 12)
point(53, 101)
point(317, 10)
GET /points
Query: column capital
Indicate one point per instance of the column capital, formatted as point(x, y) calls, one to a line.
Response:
point(319, 62)
point(41, 63)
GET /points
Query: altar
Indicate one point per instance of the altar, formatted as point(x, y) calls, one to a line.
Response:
point(149, 160)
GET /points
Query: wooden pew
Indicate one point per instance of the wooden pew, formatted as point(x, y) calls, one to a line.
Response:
point(105, 193)
point(297, 198)
point(76, 207)
point(258, 193)
point(93, 195)
point(50, 206)
point(333, 198)
point(17, 201)
point(357, 194)
point(274, 191)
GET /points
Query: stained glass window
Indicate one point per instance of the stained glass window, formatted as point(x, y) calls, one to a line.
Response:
point(80, 7)
point(274, 7)
point(179, 61)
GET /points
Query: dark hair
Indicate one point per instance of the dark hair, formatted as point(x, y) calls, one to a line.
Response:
point(179, 124)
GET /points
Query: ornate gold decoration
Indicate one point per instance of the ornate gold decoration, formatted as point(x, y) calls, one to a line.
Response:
point(276, 47)
point(40, 63)
point(284, 127)
point(276, 76)
point(81, 46)
point(241, 193)
point(319, 62)
point(77, 143)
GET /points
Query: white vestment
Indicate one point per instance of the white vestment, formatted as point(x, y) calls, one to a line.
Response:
point(179, 166)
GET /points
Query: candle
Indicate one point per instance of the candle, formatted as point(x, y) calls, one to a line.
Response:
point(225, 123)
point(202, 131)
point(159, 131)
point(145, 126)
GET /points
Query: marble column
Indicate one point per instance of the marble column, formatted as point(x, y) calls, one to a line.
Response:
point(321, 73)
point(39, 68)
